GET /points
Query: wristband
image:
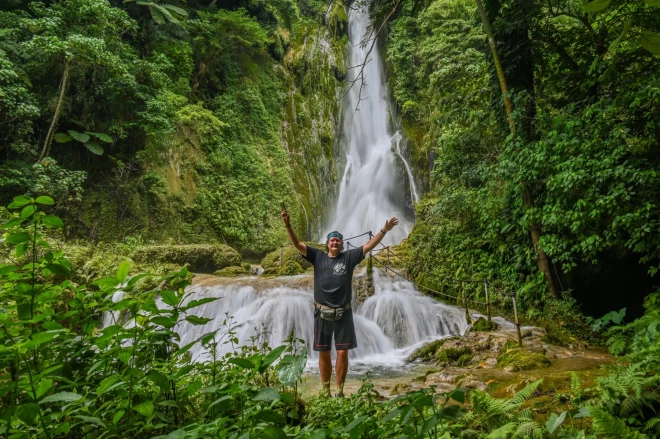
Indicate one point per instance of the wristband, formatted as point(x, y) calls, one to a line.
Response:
point(383, 231)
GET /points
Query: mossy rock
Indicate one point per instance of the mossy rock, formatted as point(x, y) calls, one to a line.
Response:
point(400, 388)
point(464, 359)
point(516, 359)
point(482, 325)
point(291, 268)
point(289, 253)
point(452, 355)
point(426, 352)
point(200, 258)
point(556, 335)
point(232, 271)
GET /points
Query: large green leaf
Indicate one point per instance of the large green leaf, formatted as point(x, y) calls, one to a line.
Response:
point(241, 362)
point(103, 137)
point(91, 420)
point(144, 408)
point(28, 211)
point(80, 137)
point(122, 271)
point(157, 14)
point(94, 148)
point(61, 397)
point(19, 202)
point(52, 221)
point(17, 238)
point(291, 367)
point(197, 320)
point(270, 416)
point(59, 269)
point(159, 379)
point(596, 6)
point(650, 41)
point(45, 200)
point(28, 412)
point(267, 394)
point(170, 298)
point(554, 422)
point(270, 358)
point(655, 3)
point(63, 138)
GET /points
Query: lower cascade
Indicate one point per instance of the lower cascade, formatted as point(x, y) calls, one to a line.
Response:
point(389, 325)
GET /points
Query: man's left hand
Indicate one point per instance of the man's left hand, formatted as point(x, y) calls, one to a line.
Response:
point(389, 224)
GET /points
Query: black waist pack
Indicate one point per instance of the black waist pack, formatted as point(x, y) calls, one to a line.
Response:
point(331, 314)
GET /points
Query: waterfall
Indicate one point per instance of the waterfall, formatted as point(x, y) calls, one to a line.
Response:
point(389, 325)
point(371, 190)
point(397, 318)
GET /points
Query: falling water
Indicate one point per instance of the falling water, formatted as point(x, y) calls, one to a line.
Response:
point(371, 189)
point(389, 325)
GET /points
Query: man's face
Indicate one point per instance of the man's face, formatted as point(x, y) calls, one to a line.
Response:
point(334, 243)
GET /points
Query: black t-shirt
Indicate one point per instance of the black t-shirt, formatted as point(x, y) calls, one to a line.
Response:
point(333, 277)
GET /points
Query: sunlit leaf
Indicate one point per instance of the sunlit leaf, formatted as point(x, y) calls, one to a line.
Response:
point(650, 41)
point(45, 200)
point(145, 408)
point(63, 138)
point(61, 397)
point(52, 221)
point(596, 6)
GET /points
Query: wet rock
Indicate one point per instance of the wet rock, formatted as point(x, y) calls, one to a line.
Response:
point(232, 271)
point(440, 378)
point(460, 356)
point(483, 325)
point(513, 359)
point(426, 352)
point(400, 388)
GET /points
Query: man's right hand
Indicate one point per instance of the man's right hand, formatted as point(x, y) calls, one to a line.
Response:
point(285, 217)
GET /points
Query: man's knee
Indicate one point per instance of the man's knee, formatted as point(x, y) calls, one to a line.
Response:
point(342, 355)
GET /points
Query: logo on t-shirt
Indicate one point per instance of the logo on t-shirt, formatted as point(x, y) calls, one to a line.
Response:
point(339, 268)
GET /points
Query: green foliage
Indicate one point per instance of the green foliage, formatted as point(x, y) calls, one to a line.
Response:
point(199, 258)
point(186, 106)
point(582, 149)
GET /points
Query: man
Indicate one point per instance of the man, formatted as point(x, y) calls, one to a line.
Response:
point(333, 276)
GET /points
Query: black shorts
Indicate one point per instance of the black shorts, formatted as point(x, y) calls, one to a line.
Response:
point(343, 330)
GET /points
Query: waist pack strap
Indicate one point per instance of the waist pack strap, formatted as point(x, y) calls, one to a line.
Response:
point(328, 313)
point(321, 307)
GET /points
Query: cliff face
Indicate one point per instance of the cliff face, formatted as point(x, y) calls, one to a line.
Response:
point(269, 136)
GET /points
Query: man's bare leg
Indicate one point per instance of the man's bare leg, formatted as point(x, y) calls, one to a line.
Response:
point(341, 368)
point(325, 369)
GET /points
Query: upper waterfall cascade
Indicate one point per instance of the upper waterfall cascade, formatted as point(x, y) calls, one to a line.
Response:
point(371, 190)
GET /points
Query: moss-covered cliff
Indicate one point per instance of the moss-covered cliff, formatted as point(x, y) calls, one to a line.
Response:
point(221, 171)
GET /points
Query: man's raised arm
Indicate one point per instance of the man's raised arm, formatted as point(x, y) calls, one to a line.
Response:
point(373, 242)
point(295, 241)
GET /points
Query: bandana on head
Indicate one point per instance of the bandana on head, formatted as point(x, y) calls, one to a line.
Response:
point(335, 235)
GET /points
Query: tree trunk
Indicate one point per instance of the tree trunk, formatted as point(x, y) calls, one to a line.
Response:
point(543, 261)
point(58, 111)
point(498, 65)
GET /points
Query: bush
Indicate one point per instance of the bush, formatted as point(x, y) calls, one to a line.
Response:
point(232, 271)
point(200, 258)
point(289, 253)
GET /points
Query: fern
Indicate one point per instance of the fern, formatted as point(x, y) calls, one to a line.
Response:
point(524, 394)
point(612, 428)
